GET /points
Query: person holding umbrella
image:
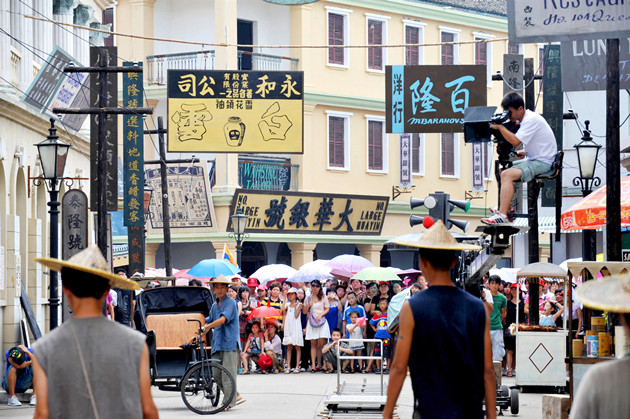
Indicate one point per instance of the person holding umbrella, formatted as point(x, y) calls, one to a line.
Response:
point(317, 330)
point(451, 368)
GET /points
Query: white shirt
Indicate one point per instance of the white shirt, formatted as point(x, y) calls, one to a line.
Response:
point(537, 137)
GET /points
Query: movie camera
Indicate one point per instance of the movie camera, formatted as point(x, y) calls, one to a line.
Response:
point(477, 129)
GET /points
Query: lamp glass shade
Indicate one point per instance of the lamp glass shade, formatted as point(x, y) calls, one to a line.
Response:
point(53, 155)
point(148, 192)
point(587, 159)
point(239, 222)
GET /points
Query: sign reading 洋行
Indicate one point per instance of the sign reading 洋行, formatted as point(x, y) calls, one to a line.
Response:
point(564, 20)
point(235, 111)
point(431, 98)
point(133, 149)
point(584, 65)
point(293, 212)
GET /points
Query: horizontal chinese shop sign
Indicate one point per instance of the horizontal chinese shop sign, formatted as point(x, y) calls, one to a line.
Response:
point(292, 212)
point(432, 98)
point(235, 111)
point(564, 20)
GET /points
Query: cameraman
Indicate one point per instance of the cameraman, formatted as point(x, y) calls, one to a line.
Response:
point(540, 148)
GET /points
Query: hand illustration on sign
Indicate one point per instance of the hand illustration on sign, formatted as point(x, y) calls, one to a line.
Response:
point(234, 131)
point(273, 126)
point(190, 121)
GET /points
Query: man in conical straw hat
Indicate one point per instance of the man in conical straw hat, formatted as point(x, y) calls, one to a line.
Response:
point(223, 319)
point(444, 339)
point(603, 392)
point(91, 366)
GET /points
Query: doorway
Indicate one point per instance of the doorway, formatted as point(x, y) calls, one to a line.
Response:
point(245, 36)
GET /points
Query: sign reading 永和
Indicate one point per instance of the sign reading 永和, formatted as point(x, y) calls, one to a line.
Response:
point(293, 212)
point(563, 20)
point(431, 98)
point(405, 161)
point(133, 149)
point(235, 111)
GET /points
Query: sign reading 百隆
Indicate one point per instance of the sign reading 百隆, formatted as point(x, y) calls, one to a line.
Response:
point(431, 98)
point(235, 111)
point(293, 212)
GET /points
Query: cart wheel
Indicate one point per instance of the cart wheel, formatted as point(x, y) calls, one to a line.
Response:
point(207, 388)
point(514, 401)
point(505, 391)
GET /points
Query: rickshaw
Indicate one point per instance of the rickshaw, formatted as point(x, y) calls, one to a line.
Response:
point(170, 316)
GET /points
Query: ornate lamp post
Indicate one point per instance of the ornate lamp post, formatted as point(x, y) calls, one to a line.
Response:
point(587, 151)
point(53, 154)
point(239, 222)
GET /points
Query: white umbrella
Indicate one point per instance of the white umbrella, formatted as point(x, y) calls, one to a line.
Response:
point(273, 272)
point(315, 264)
point(506, 274)
point(565, 265)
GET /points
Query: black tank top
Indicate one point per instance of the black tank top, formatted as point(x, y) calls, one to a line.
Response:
point(447, 353)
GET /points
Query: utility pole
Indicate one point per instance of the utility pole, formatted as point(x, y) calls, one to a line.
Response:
point(533, 187)
point(613, 181)
point(166, 215)
point(104, 109)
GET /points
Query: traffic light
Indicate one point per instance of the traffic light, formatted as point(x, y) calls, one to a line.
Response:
point(440, 206)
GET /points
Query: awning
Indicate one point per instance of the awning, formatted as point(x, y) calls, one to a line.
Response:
point(545, 225)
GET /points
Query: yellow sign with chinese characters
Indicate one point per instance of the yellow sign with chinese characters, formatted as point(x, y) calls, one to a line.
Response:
point(235, 111)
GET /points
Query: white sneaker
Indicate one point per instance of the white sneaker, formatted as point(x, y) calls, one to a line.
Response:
point(33, 401)
point(13, 401)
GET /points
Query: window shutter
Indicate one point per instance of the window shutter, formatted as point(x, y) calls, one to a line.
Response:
point(335, 37)
point(448, 55)
point(448, 154)
point(375, 145)
point(336, 157)
point(481, 53)
point(412, 36)
point(375, 37)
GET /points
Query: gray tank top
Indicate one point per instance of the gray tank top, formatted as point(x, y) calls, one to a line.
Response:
point(112, 355)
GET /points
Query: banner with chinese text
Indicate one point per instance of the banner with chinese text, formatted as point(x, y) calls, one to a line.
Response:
point(297, 212)
point(432, 98)
point(404, 180)
point(235, 111)
point(133, 149)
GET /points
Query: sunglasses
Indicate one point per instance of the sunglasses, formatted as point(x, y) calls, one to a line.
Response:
point(315, 285)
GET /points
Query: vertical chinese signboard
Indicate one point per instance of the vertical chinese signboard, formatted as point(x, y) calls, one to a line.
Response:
point(136, 249)
point(477, 166)
point(432, 98)
point(552, 111)
point(405, 161)
point(235, 111)
point(109, 56)
point(74, 230)
point(513, 73)
point(133, 160)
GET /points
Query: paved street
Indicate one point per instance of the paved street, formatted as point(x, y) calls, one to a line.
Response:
point(287, 396)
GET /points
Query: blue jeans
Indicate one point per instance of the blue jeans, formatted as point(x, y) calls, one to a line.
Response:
point(24, 380)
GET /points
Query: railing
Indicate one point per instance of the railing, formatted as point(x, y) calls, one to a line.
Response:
point(158, 65)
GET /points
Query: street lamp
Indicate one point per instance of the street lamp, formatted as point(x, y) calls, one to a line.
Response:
point(53, 154)
point(587, 151)
point(239, 222)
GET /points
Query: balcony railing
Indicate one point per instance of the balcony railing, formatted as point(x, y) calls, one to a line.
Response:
point(158, 65)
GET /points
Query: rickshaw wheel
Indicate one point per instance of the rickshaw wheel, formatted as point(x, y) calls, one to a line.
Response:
point(207, 388)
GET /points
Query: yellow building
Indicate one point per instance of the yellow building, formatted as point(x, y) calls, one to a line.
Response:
point(346, 149)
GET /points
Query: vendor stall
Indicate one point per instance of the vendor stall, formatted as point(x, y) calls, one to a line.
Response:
point(582, 357)
point(540, 350)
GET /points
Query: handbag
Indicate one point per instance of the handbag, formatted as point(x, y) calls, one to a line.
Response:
point(312, 319)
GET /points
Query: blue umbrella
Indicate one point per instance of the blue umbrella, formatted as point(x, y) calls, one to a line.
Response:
point(211, 268)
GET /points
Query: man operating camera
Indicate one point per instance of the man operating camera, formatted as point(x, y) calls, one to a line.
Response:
point(540, 149)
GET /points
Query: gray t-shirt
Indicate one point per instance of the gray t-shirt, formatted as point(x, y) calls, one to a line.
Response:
point(112, 355)
point(603, 392)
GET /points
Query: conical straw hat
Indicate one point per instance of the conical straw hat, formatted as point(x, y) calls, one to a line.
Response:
point(90, 260)
point(221, 279)
point(606, 294)
point(438, 237)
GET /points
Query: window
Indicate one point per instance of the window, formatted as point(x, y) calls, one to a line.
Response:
point(376, 35)
point(449, 53)
point(417, 154)
point(449, 155)
point(338, 35)
point(413, 35)
point(483, 54)
point(377, 144)
point(338, 140)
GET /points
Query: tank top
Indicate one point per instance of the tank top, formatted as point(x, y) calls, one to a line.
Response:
point(447, 362)
point(112, 355)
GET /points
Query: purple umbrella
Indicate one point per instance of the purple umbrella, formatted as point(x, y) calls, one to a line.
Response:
point(350, 263)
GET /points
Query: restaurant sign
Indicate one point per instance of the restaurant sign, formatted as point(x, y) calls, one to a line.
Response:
point(432, 98)
point(293, 212)
point(235, 111)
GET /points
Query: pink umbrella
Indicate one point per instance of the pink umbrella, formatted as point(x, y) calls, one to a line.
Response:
point(350, 263)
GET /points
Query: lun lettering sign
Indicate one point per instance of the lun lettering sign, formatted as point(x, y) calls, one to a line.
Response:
point(563, 20)
point(74, 223)
point(584, 65)
point(293, 212)
point(431, 98)
point(235, 111)
point(133, 150)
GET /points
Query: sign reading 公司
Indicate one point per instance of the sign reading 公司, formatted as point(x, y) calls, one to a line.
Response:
point(564, 20)
point(235, 111)
point(293, 212)
point(431, 98)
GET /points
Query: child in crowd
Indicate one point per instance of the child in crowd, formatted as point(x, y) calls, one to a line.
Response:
point(352, 306)
point(293, 337)
point(273, 345)
point(332, 316)
point(379, 324)
point(329, 351)
point(253, 347)
point(356, 332)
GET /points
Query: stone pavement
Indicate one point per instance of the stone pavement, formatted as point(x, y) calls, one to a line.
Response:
point(287, 396)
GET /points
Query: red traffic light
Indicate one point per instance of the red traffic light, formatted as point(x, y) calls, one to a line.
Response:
point(428, 222)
